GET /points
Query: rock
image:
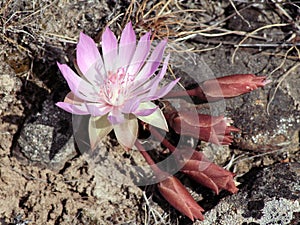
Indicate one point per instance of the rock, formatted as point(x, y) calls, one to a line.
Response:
point(263, 131)
point(269, 197)
point(46, 138)
point(217, 154)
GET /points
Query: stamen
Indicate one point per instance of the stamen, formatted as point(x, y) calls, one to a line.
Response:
point(115, 88)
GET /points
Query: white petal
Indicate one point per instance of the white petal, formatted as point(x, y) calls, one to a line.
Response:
point(115, 116)
point(156, 119)
point(127, 132)
point(99, 127)
point(145, 108)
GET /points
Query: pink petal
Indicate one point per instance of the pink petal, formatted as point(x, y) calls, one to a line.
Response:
point(72, 99)
point(131, 105)
point(81, 88)
point(74, 109)
point(96, 74)
point(115, 116)
point(164, 90)
point(153, 62)
point(145, 112)
point(97, 109)
point(109, 49)
point(141, 53)
point(87, 53)
point(127, 46)
point(160, 76)
point(152, 85)
point(141, 88)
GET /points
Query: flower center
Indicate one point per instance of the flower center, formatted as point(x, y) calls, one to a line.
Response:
point(116, 87)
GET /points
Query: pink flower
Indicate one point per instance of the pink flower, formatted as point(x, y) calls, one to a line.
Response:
point(117, 88)
point(176, 194)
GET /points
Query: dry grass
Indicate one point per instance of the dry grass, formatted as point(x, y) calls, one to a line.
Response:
point(180, 22)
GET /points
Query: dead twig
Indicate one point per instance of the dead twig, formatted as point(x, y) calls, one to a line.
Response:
point(238, 13)
point(253, 32)
point(284, 76)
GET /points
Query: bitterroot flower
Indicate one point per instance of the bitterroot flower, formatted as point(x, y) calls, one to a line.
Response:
point(117, 88)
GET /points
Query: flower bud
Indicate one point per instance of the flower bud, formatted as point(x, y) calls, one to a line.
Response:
point(223, 87)
point(176, 194)
point(233, 85)
point(214, 129)
point(228, 86)
point(210, 175)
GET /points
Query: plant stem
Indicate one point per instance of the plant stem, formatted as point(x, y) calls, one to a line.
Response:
point(148, 159)
point(160, 138)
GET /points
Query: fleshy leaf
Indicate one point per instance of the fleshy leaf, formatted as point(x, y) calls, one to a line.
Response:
point(176, 194)
point(199, 168)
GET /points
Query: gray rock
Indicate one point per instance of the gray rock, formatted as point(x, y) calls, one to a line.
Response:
point(46, 137)
point(272, 196)
point(35, 141)
point(264, 131)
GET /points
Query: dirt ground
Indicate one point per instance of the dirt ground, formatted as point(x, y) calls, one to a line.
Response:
point(45, 178)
